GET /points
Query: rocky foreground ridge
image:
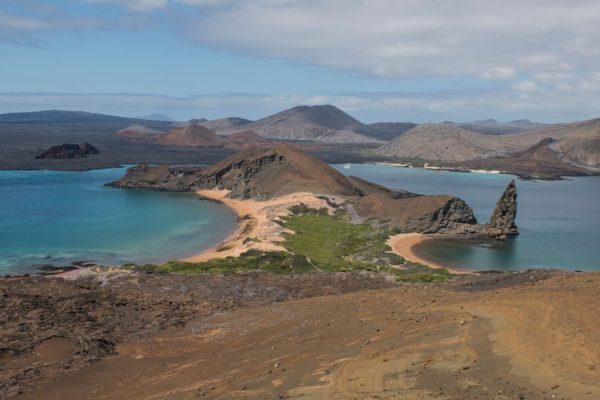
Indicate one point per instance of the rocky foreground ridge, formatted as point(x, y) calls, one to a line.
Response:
point(258, 173)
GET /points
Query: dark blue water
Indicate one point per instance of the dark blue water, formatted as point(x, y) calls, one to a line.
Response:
point(49, 217)
point(559, 221)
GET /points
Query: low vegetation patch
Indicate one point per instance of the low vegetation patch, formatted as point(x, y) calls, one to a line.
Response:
point(270, 261)
point(320, 242)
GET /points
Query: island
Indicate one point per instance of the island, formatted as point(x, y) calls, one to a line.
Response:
point(314, 296)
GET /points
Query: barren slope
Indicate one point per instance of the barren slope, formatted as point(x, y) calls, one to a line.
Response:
point(312, 123)
point(538, 161)
point(577, 142)
point(191, 135)
point(530, 335)
point(450, 142)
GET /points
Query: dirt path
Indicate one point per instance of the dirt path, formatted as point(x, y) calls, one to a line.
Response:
point(521, 336)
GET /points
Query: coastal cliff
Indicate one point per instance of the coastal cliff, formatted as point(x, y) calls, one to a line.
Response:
point(262, 174)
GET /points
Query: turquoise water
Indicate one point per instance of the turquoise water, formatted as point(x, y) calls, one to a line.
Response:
point(50, 217)
point(559, 221)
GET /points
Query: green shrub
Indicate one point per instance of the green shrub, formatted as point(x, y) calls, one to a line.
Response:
point(319, 242)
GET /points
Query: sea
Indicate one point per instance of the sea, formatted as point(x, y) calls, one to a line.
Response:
point(559, 221)
point(56, 218)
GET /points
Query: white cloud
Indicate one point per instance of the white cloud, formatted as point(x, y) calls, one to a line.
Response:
point(24, 30)
point(204, 2)
point(547, 51)
point(525, 86)
point(487, 39)
point(136, 5)
point(502, 73)
point(14, 22)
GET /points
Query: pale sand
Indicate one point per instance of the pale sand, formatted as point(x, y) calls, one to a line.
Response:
point(257, 227)
point(259, 231)
point(404, 243)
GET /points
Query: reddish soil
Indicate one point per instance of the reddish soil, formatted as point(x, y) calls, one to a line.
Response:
point(531, 335)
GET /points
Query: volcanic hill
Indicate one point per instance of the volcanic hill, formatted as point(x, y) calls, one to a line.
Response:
point(448, 143)
point(138, 132)
point(262, 174)
point(323, 123)
point(539, 161)
point(191, 135)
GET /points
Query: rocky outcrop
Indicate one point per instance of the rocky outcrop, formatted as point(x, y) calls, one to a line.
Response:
point(159, 177)
point(502, 223)
point(253, 173)
point(411, 212)
point(260, 173)
point(68, 151)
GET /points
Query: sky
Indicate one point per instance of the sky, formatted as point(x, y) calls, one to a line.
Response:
point(379, 60)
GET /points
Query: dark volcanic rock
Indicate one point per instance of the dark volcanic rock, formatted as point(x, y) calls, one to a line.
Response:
point(418, 213)
point(502, 223)
point(159, 177)
point(69, 151)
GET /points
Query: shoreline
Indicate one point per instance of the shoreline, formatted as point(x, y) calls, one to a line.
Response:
point(403, 244)
point(257, 229)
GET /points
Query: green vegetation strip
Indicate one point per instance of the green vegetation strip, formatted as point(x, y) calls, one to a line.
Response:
point(320, 242)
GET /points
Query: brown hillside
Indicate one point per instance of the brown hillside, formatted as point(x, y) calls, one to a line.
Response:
point(264, 173)
point(191, 135)
point(580, 143)
point(138, 131)
point(248, 136)
point(577, 142)
point(538, 161)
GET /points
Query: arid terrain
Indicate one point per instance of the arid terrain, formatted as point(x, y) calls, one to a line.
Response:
point(528, 335)
point(324, 130)
point(302, 301)
point(567, 148)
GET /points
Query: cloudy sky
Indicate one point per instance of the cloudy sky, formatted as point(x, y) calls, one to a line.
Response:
point(392, 60)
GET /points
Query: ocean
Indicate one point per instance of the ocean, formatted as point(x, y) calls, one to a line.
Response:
point(559, 221)
point(55, 218)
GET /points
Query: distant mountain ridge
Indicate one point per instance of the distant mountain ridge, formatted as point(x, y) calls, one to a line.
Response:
point(491, 126)
point(223, 125)
point(321, 123)
point(156, 117)
point(577, 143)
point(324, 123)
point(61, 116)
point(387, 130)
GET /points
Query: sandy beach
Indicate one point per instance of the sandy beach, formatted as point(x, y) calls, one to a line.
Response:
point(404, 243)
point(257, 229)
